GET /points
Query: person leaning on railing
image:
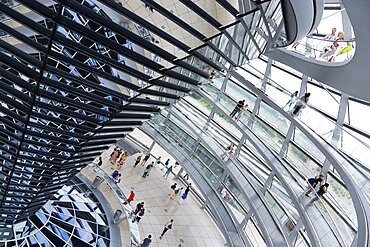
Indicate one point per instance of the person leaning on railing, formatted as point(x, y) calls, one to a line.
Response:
point(320, 193)
point(312, 183)
point(301, 103)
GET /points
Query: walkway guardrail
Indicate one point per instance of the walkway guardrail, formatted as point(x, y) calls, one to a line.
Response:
point(323, 211)
point(126, 210)
point(324, 49)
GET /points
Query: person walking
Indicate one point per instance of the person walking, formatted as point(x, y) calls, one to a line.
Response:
point(146, 241)
point(114, 155)
point(139, 216)
point(138, 207)
point(158, 160)
point(147, 170)
point(137, 160)
point(167, 162)
point(116, 176)
point(147, 156)
point(237, 108)
point(121, 162)
point(301, 103)
point(173, 187)
point(292, 100)
point(168, 171)
point(186, 176)
point(312, 183)
point(130, 198)
point(240, 113)
point(228, 151)
point(100, 161)
point(167, 227)
point(187, 189)
point(176, 192)
point(182, 198)
point(320, 193)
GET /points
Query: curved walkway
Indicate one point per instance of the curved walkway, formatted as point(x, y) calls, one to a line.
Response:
point(192, 225)
point(360, 202)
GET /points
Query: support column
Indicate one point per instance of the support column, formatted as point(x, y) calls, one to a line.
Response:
point(263, 89)
point(347, 27)
point(288, 136)
point(240, 144)
point(212, 114)
point(303, 88)
point(151, 146)
point(337, 132)
point(282, 153)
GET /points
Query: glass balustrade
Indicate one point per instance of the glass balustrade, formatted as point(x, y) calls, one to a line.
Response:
point(333, 220)
point(120, 198)
point(322, 49)
point(349, 143)
point(186, 109)
point(205, 162)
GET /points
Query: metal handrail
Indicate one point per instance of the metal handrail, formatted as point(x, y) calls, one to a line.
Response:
point(252, 120)
point(338, 205)
point(288, 93)
point(126, 209)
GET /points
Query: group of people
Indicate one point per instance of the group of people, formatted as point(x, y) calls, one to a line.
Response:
point(296, 104)
point(329, 51)
point(239, 109)
point(117, 158)
point(312, 185)
point(177, 191)
point(333, 45)
point(139, 211)
point(167, 166)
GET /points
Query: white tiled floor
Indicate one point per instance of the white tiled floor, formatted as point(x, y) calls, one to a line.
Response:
point(192, 225)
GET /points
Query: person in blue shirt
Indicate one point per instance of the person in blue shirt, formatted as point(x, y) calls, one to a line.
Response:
point(169, 170)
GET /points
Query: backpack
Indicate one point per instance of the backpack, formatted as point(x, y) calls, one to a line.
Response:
point(184, 196)
point(312, 180)
point(115, 174)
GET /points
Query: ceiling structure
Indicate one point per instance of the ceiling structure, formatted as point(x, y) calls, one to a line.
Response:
point(78, 75)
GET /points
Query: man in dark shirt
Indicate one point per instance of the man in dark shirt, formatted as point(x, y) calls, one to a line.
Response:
point(187, 189)
point(147, 241)
point(237, 108)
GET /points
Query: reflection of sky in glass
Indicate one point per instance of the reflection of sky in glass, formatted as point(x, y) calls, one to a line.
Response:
point(70, 210)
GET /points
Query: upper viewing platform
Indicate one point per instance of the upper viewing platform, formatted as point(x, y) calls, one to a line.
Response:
point(334, 62)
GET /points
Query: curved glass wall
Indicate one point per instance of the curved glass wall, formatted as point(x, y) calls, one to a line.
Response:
point(206, 112)
point(73, 217)
point(78, 75)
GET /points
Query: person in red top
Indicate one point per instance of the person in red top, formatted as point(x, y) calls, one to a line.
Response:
point(130, 198)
